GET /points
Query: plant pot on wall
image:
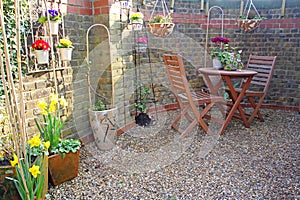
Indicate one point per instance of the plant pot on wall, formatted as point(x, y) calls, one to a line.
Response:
point(65, 54)
point(137, 25)
point(104, 128)
point(63, 169)
point(54, 26)
point(42, 57)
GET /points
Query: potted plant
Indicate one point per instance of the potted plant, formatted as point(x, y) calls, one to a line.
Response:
point(64, 153)
point(224, 55)
point(54, 19)
point(161, 25)
point(141, 44)
point(142, 118)
point(136, 19)
point(31, 167)
point(65, 49)
point(249, 23)
point(103, 124)
point(8, 191)
point(41, 51)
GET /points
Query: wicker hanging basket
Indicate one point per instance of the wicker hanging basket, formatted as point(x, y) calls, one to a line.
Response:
point(160, 29)
point(161, 25)
point(248, 23)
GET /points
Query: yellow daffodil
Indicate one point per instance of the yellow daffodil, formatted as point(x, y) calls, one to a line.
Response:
point(44, 112)
point(42, 104)
point(47, 144)
point(15, 161)
point(35, 141)
point(53, 98)
point(34, 170)
point(63, 102)
point(52, 106)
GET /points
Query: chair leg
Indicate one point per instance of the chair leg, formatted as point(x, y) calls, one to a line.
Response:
point(256, 109)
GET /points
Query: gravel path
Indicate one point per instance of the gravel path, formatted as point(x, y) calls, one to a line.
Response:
point(260, 162)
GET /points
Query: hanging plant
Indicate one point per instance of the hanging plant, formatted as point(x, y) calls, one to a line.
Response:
point(41, 51)
point(251, 20)
point(161, 25)
point(136, 19)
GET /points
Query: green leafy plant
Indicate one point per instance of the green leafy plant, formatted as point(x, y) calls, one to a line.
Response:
point(229, 56)
point(142, 103)
point(30, 169)
point(99, 106)
point(52, 14)
point(66, 146)
point(161, 19)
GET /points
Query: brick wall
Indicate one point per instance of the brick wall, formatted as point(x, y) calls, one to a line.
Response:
point(275, 36)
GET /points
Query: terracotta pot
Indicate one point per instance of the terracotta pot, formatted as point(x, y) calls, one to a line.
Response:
point(8, 190)
point(104, 128)
point(63, 169)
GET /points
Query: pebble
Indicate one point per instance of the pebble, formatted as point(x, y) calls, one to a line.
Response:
point(260, 162)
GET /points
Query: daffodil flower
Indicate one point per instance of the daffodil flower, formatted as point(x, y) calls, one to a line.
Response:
point(63, 102)
point(52, 106)
point(15, 161)
point(42, 104)
point(35, 141)
point(34, 170)
point(53, 98)
point(47, 144)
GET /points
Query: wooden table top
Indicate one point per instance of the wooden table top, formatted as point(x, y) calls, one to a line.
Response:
point(237, 73)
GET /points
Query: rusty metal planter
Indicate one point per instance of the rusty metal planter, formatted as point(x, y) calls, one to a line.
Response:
point(63, 169)
point(8, 190)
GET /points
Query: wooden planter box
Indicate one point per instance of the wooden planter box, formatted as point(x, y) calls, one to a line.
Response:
point(63, 169)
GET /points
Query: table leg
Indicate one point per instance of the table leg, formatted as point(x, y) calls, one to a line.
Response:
point(236, 101)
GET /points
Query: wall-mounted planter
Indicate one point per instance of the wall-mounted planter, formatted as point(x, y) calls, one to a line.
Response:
point(65, 54)
point(42, 57)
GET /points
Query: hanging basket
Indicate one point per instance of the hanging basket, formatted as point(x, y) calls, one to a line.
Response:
point(42, 57)
point(160, 29)
point(248, 24)
point(65, 54)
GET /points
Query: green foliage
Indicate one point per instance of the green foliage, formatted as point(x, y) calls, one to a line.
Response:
point(100, 106)
point(10, 31)
point(50, 129)
point(66, 146)
point(144, 93)
point(161, 19)
point(230, 57)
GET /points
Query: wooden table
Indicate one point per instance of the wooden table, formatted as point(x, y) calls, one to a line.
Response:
point(208, 73)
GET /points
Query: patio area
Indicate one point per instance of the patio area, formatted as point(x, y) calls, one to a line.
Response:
point(260, 162)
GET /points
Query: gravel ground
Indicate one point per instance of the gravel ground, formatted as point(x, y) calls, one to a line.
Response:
point(260, 162)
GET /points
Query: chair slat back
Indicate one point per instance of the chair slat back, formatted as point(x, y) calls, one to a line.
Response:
point(176, 73)
point(264, 65)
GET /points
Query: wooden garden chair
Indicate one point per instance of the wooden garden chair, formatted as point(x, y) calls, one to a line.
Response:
point(188, 100)
point(264, 66)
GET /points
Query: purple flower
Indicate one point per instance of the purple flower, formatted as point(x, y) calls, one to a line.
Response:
point(142, 40)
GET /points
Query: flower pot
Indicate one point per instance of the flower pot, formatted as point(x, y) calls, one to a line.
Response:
point(65, 54)
point(160, 29)
point(63, 169)
point(42, 57)
point(124, 4)
point(217, 64)
point(103, 124)
point(137, 25)
point(54, 25)
point(249, 24)
point(141, 47)
point(8, 190)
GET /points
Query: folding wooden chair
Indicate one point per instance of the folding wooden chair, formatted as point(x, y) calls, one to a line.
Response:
point(264, 65)
point(187, 100)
